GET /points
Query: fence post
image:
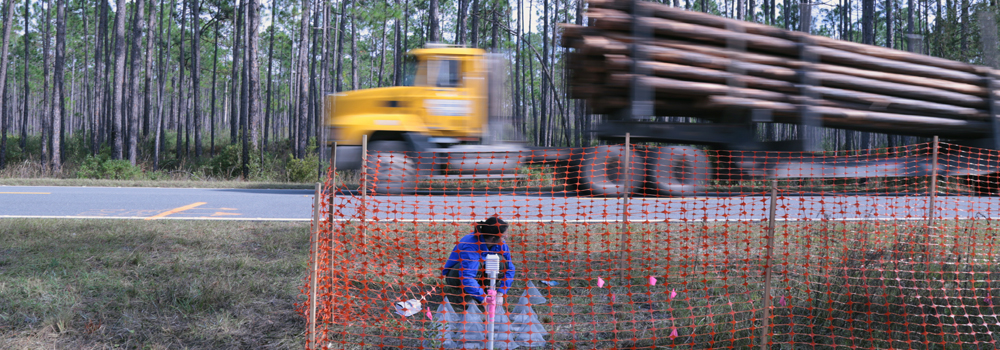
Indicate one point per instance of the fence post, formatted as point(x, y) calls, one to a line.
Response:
point(933, 192)
point(329, 221)
point(767, 264)
point(333, 181)
point(315, 265)
point(932, 196)
point(364, 190)
point(628, 184)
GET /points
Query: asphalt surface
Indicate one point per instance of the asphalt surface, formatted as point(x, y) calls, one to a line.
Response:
point(296, 205)
point(155, 203)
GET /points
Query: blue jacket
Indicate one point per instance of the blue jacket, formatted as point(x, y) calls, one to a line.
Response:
point(468, 254)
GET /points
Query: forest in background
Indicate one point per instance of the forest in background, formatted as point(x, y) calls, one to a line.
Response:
point(233, 89)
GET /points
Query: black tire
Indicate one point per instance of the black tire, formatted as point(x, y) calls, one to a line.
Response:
point(603, 174)
point(390, 170)
point(680, 170)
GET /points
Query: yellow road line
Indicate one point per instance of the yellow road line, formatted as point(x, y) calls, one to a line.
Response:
point(175, 210)
point(25, 192)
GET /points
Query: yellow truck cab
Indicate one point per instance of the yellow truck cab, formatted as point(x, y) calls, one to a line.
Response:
point(446, 104)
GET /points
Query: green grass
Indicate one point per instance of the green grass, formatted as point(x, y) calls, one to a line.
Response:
point(151, 284)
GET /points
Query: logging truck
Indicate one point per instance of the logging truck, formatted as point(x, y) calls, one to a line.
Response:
point(641, 65)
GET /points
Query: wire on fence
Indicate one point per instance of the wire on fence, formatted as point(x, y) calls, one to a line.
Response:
point(843, 254)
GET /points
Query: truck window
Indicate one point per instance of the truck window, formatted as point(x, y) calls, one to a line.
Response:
point(446, 73)
point(410, 64)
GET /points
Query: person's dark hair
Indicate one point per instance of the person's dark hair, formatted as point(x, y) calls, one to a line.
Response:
point(493, 225)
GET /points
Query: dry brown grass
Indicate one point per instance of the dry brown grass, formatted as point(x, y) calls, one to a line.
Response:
point(88, 284)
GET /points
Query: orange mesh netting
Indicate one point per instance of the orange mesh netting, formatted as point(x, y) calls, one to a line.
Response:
point(664, 247)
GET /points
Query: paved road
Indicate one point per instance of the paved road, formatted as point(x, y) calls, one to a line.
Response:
point(155, 203)
point(296, 205)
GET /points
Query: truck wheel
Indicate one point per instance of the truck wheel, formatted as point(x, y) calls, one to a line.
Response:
point(680, 170)
point(603, 173)
point(390, 171)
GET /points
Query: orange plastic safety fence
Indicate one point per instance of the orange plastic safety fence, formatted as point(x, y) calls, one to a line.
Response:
point(616, 247)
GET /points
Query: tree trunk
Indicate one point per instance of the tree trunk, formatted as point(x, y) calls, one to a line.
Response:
point(805, 16)
point(46, 121)
point(253, 83)
point(27, 86)
point(57, 115)
point(463, 7)
point(397, 50)
point(234, 116)
point(868, 22)
point(909, 23)
point(314, 48)
point(8, 21)
point(303, 66)
point(211, 114)
point(196, 74)
point(543, 121)
point(253, 67)
point(245, 89)
point(889, 42)
point(147, 88)
point(118, 113)
point(338, 63)
point(323, 76)
point(432, 21)
point(182, 114)
point(495, 39)
point(381, 59)
point(161, 81)
point(475, 23)
point(133, 124)
point(270, 67)
point(964, 50)
point(355, 83)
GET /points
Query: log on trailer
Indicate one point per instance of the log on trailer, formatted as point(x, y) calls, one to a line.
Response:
point(689, 56)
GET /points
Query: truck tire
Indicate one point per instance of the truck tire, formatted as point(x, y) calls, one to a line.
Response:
point(603, 174)
point(680, 170)
point(390, 171)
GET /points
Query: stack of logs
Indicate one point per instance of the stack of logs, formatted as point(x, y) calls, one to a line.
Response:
point(705, 66)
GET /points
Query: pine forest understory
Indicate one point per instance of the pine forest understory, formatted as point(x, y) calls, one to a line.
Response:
point(233, 89)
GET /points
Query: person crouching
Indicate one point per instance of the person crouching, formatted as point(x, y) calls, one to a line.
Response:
point(465, 270)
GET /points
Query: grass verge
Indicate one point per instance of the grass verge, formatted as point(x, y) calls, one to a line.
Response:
point(94, 284)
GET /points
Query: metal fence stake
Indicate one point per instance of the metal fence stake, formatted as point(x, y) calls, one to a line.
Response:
point(315, 265)
point(333, 195)
point(625, 227)
point(364, 190)
point(767, 265)
point(932, 196)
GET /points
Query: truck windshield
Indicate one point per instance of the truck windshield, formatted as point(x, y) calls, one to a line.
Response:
point(439, 72)
point(410, 64)
point(446, 74)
